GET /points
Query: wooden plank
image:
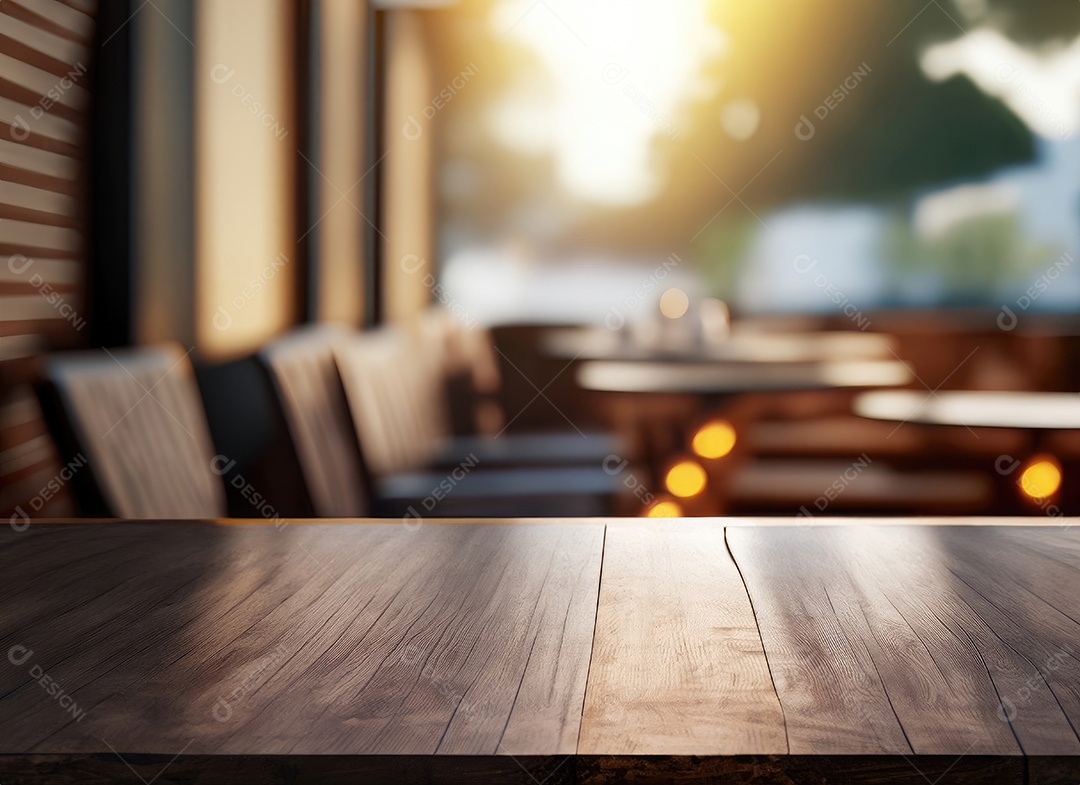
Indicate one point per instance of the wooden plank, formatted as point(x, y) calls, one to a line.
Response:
point(34, 216)
point(68, 91)
point(874, 649)
point(26, 307)
point(17, 457)
point(322, 639)
point(87, 7)
point(18, 174)
point(50, 166)
point(56, 18)
point(21, 120)
point(21, 233)
point(30, 98)
point(678, 667)
point(55, 271)
point(16, 47)
point(39, 40)
point(49, 326)
point(1020, 584)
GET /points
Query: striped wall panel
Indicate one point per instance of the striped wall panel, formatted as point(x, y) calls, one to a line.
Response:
point(46, 48)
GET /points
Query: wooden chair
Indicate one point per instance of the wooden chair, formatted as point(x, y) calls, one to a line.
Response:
point(305, 378)
point(135, 418)
point(395, 397)
point(453, 353)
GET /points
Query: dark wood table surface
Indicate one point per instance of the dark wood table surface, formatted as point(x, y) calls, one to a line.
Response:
point(710, 650)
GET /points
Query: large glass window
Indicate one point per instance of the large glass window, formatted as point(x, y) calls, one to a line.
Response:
point(786, 157)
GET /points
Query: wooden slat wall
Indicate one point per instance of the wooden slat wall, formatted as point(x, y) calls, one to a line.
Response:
point(46, 48)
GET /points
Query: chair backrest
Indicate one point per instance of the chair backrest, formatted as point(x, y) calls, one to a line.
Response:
point(305, 376)
point(137, 419)
point(466, 356)
point(396, 398)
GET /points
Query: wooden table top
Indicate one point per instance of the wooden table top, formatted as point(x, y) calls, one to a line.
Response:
point(974, 408)
point(722, 378)
point(563, 651)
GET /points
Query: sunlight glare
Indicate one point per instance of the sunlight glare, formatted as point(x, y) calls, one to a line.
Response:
point(620, 72)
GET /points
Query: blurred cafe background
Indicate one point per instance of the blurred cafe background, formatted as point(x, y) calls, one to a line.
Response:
point(281, 258)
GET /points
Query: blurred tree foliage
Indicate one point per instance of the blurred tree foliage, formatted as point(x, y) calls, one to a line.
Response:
point(894, 133)
point(970, 261)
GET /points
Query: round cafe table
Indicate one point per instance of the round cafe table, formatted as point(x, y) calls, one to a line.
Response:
point(597, 343)
point(730, 378)
point(974, 408)
point(1038, 413)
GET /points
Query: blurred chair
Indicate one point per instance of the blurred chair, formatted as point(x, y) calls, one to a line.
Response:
point(461, 364)
point(305, 378)
point(394, 385)
point(136, 418)
point(777, 487)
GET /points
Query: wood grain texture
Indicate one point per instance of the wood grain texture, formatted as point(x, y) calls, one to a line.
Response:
point(877, 646)
point(318, 639)
point(460, 652)
point(678, 666)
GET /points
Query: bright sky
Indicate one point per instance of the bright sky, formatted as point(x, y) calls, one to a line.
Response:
point(1042, 87)
point(618, 72)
